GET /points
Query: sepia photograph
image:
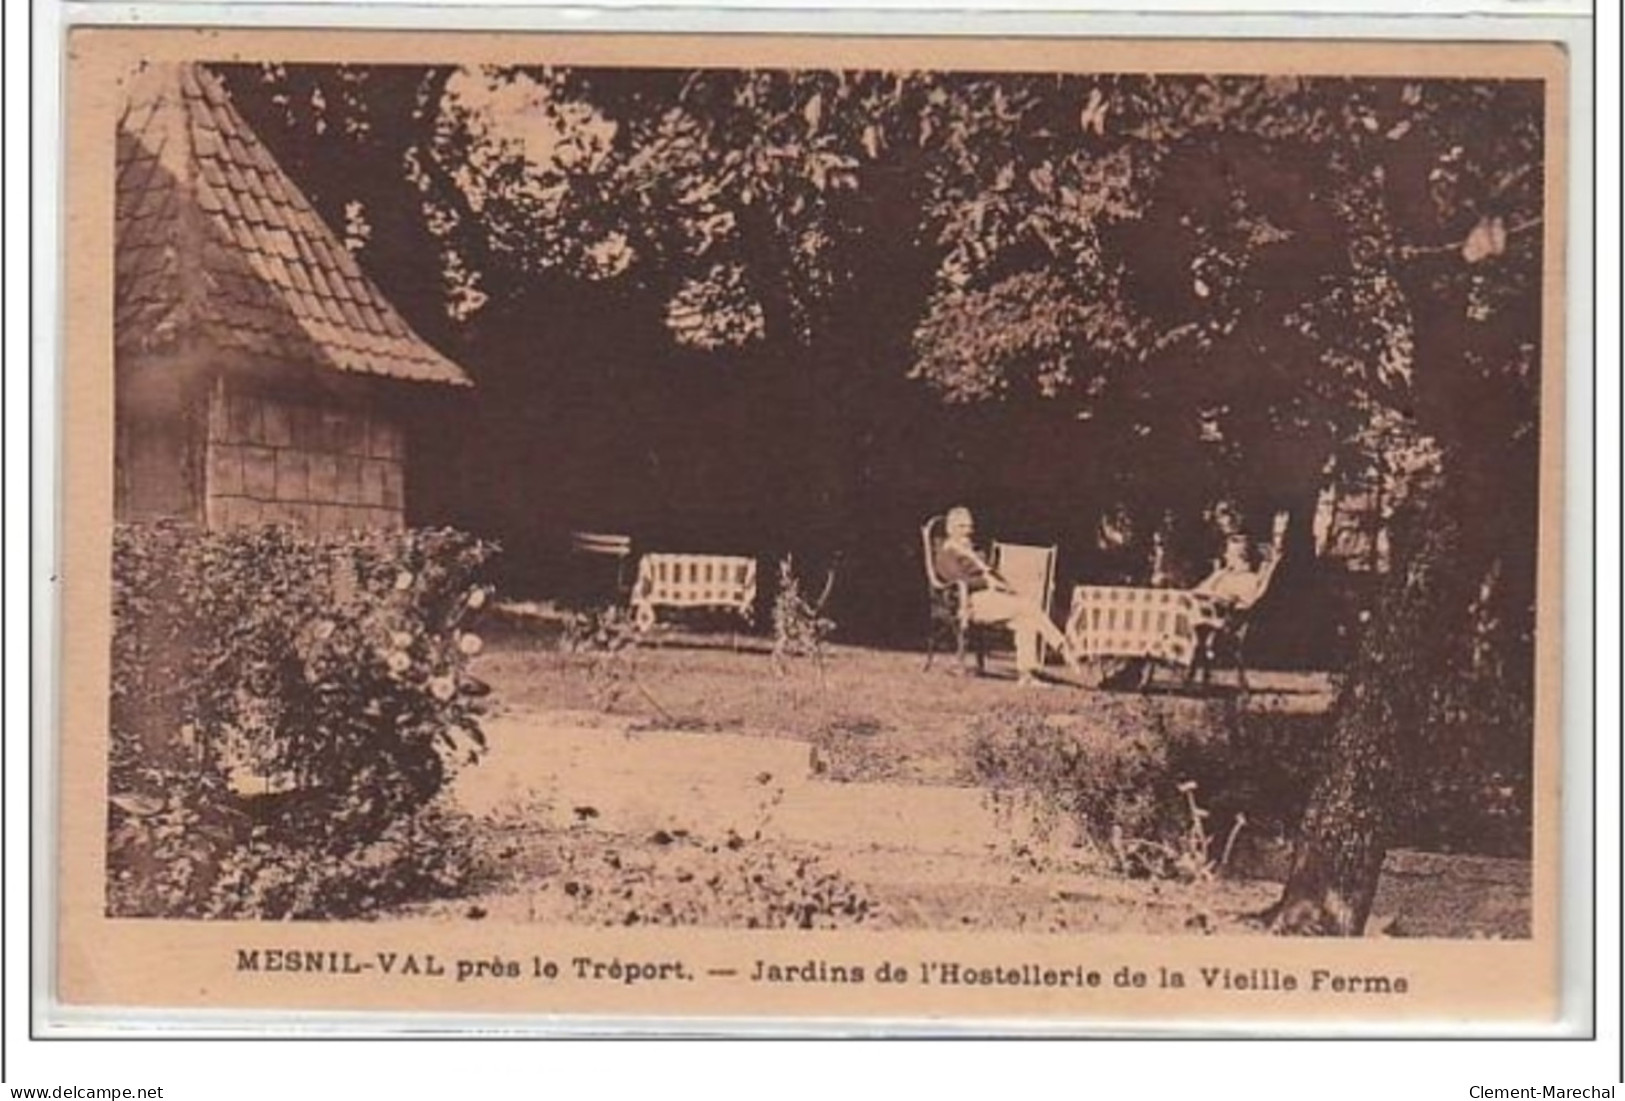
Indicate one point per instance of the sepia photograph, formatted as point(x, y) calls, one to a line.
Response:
point(1003, 504)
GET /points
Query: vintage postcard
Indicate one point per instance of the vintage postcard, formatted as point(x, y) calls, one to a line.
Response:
point(1040, 533)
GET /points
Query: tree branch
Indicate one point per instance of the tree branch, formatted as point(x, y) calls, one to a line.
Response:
point(1409, 252)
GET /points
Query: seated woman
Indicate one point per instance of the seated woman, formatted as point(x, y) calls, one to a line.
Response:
point(993, 601)
point(1231, 590)
point(1236, 584)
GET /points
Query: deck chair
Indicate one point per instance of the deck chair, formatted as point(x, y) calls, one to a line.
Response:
point(1030, 571)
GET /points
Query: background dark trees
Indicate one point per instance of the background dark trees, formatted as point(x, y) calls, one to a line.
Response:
point(772, 311)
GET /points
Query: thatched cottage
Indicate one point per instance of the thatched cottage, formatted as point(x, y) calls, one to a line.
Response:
point(260, 375)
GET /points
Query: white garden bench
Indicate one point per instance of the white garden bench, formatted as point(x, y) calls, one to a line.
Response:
point(714, 581)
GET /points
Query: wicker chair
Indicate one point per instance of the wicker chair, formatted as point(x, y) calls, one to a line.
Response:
point(950, 601)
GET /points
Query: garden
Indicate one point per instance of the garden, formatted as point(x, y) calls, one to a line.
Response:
point(708, 788)
point(366, 734)
point(784, 316)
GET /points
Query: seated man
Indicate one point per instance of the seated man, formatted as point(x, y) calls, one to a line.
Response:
point(993, 601)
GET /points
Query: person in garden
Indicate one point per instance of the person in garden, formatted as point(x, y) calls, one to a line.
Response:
point(1240, 580)
point(1237, 583)
point(994, 601)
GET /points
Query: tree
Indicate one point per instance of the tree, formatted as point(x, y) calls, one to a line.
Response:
point(1321, 276)
point(1256, 282)
point(1259, 283)
point(1451, 656)
point(349, 134)
point(783, 220)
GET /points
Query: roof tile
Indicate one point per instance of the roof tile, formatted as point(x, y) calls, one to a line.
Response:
point(234, 176)
point(206, 143)
point(279, 271)
point(301, 281)
point(243, 233)
point(279, 284)
point(234, 210)
point(307, 255)
point(334, 256)
point(353, 316)
point(210, 169)
point(256, 260)
point(250, 205)
point(317, 326)
point(273, 186)
point(215, 93)
point(284, 245)
point(236, 151)
point(310, 308)
point(318, 281)
point(207, 197)
point(264, 240)
point(263, 160)
point(375, 322)
point(335, 314)
point(228, 121)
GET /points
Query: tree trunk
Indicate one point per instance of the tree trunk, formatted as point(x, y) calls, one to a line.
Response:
point(1292, 627)
point(1382, 708)
point(1344, 835)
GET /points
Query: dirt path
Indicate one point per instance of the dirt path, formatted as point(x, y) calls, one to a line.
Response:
point(639, 781)
point(604, 822)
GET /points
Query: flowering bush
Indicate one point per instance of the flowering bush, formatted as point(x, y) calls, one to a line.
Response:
point(279, 692)
point(800, 627)
point(205, 861)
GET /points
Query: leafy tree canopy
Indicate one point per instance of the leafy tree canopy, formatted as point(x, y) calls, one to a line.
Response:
point(1217, 286)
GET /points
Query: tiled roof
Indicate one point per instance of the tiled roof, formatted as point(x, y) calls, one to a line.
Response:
point(213, 238)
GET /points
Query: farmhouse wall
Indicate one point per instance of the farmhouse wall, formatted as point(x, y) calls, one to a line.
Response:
point(158, 448)
point(275, 459)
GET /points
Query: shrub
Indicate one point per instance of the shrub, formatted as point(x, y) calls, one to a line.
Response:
point(1100, 782)
point(609, 640)
point(850, 748)
point(674, 879)
point(283, 699)
point(800, 627)
point(174, 864)
point(1124, 783)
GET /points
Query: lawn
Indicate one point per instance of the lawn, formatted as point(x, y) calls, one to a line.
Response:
point(689, 781)
point(876, 714)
